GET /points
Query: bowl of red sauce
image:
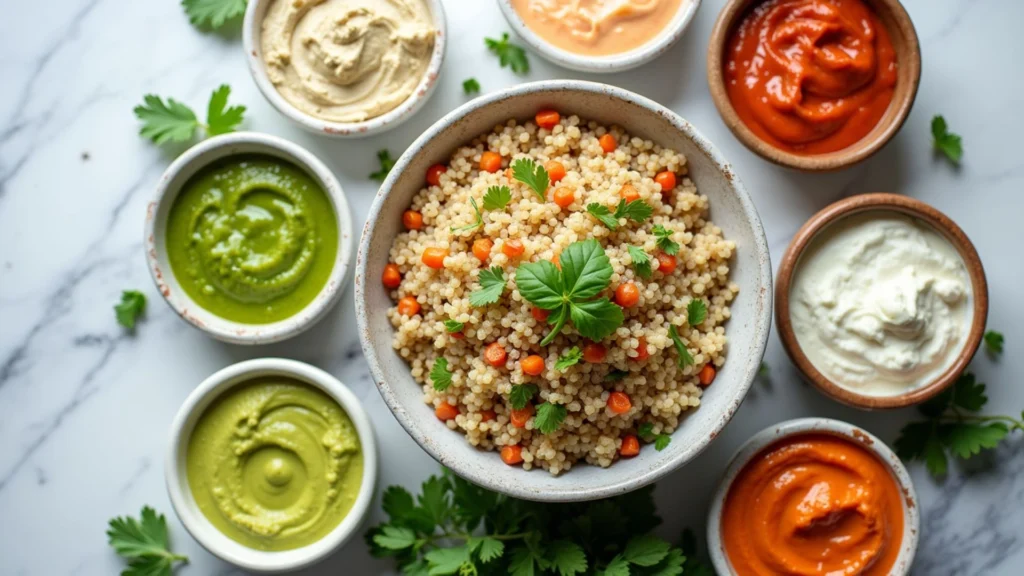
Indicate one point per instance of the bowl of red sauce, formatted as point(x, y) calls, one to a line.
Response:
point(815, 85)
point(814, 496)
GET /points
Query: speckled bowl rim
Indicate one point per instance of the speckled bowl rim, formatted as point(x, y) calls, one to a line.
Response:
point(604, 64)
point(251, 30)
point(178, 174)
point(574, 492)
point(838, 428)
point(849, 156)
point(181, 495)
point(918, 210)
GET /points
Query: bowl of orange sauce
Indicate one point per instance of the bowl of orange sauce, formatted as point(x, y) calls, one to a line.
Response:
point(814, 496)
point(815, 85)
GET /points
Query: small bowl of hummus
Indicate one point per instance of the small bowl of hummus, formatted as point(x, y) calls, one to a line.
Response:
point(272, 465)
point(345, 68)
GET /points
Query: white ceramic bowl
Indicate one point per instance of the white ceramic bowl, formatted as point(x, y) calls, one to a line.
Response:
point(251, 33)
point(610, 63)
point(731, 209)
point(178, 174)
point(192, 517)
point(772, 434)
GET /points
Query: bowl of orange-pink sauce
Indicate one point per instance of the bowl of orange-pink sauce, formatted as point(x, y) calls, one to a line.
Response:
point(814, 496)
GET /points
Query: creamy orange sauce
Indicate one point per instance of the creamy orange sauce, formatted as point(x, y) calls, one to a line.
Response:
point(813, 504)
point(597, 27)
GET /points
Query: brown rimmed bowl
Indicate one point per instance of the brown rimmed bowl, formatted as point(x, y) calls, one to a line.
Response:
point(908, 58)
point(918, 210)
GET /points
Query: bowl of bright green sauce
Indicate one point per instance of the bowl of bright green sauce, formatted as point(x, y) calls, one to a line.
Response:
point(272, 465)
point(249, 238)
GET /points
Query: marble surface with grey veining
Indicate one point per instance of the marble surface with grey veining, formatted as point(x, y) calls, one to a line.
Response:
point(85, 407)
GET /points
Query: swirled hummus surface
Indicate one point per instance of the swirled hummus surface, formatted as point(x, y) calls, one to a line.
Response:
point(252, 239)
point(274, 464)
point(347, 60)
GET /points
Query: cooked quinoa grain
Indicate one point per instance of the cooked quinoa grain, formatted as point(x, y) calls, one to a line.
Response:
point(527, 230)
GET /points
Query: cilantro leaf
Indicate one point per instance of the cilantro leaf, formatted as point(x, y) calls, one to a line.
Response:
point(615, 375)
point(994, 342)
point(395, 538)
point(571, 357)
point(492, 285)
point(435, 499)
point(568, 558)
point(966, 440)
point(557, 321)
point(636, 210)
point(476, 223)
point(602, 213)
point(968, 393)
point(661, 441)
point(646, 550)
point(646, 431)
point(533, 175)
point(541, 284)
point(497, 197)
point(144, 542)
point(946, 142)
point(397, 502)
point(523, 562)
point(386, 164)
point(549, 417)
point(521, 394)
point(219, 118)
point(684, 359)
point(509, 54)
point(663, 238)
point(440, 376)
point(619, 566)
point(596, 319)
point(490, 549)
point(641, 262)
point(166, 122)
point(696, 312)
point(470, 86)
point(935, 457)
point(673, 565)
point(443, 561)
point(451, 326)
point(133, 304)
point(213, 13)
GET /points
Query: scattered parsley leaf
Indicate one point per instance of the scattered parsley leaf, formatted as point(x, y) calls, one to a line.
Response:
point(397, 501)
point(966, 440)
point(615, 375)
point(549, 417)
point(395, 538)
point(470, 86)
point(946, 142)
point(663, 238)
point(492, 285)
point(166, 122)
point(451, 326)
point(567, 558)
point(571, 357)
point(661, 441)
point(994, 342)
point(935, 459)
point(475, 224)
point(602, 213)
point(968, 393)
point(144, 543)
point(521, 394)
point(533, 175)
point(443, 561)
point(133, 304)
point(596, 319)
point(684, 359)
point(645, 431)
point(386, 164)
point(497, 197)
point(213, 13)
point(440, 376)
point(509, 54)
point(490, 549)
point(641, 262)
point(619, 566)
point(637, 210)
point(696, 312)
point(646, 550)
point(219, 118)
point(764, 370)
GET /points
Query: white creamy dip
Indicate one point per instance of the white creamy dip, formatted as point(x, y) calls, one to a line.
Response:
point(880, 303)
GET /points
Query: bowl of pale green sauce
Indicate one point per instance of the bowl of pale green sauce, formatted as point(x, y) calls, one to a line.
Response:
point(249, 238)
point(272, 464)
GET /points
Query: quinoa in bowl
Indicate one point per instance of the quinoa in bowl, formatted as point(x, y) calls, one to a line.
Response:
point(560, 292)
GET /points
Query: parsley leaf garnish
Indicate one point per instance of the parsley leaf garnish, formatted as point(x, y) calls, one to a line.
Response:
point(646, 433)
point(637, 211)
point(470, 86)
point(684, 359)
point(602, 213)
point(509, 54)
point(172, 121)
point(641, 262)
point(663, 238)
point(586, 271)
point(386, 164)
point(133, 304)
point(497, 197)
point(144, 543)
point(492, 284)
point(946, 142)
point(213, 13)
point(615, 375)
point(994, 342)
point(521, 394)
point(662, 441)
point(549, 417)
point(533, 175)
point(440, 376)
point(696, 312)
point(219, 118)
point(476, 223)
point(451, 326)
point(571, 357)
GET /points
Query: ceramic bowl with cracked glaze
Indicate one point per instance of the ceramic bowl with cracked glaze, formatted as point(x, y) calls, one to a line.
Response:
point(731, 210)
point(627, 60)
point(251, 33)
point(178, 174)
point(769, 436)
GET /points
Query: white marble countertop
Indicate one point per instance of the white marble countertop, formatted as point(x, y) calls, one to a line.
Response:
point(85, 408)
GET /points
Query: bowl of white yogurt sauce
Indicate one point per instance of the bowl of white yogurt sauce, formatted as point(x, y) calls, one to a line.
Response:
point(881, 301)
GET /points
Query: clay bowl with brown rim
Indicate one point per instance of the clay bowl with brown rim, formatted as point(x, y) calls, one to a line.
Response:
point(908, 59)
point(917, 210)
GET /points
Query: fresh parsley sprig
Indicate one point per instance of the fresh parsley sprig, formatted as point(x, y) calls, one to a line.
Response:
point(492, 284)
point(213, 13)
point(133, 304)
point(684, 359)
point(172, 121)
point(497, 197)
point(646, 433)
point(946, 142)
point(637, 211)
point(470, 86)
point(144, 543)
point(663, 238)
point(451, 326)
point(641, 262)
point(521, 394)
point(696, 312)
point(549, 417)
point(386, 164)
point(994, 342)
point(509, 55)
point(440, 375)
point(570, 293)
point(571, 357)
point(533, 175)
point(953, 425)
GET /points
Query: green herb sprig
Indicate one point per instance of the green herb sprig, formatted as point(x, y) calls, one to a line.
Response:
point(684, 359)
point(133, 304)
point(533, 175)
point(521, 394)
point(549, 417)
point(492, 285)
point(696, 312)
point(571, 357)
point(386, 164)
point(946, 142)
point(637, 211)
point(440, 375)
point(213, 13)
point(646, 433)
point(994, 342)
point(172, 121)
point(641, 262)
point(143, 543)
point(509, 55)
point(470, 86)
point(663, 238)
point(451, 326)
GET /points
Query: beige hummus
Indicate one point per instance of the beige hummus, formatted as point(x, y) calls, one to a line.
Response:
point(347, 60)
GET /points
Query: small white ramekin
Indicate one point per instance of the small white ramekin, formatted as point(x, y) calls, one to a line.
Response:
point(192, 517)
point(604, 64)
point(773, 434)
point(251, 33)
point(178, 174)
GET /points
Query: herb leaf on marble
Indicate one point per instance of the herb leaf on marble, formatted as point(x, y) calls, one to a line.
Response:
point(213, 13)
point(171, 121)
point(144, 543)
point(133, 304)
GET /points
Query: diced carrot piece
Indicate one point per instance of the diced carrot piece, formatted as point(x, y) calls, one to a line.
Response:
point(434, 174)
point(490, 161)
point(556, 170)
point(608, 143)
point(392, 276)
point(495, 355)
point(412, 220)
point(618, 402)
point(434, 257)
point(630, 446)
point(707, 375)
point(445, 411)
point(594, 353)
point(666, 180)
point(408, 306)
point(512, 455)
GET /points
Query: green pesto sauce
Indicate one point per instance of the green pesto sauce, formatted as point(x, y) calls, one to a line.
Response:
point(252, 239)
point(274, 464)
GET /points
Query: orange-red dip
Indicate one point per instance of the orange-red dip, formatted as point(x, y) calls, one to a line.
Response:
point(813, 504)
point(810, 76)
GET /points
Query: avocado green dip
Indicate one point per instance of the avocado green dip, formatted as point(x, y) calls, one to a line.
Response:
point(274, 464)
point(252, 239)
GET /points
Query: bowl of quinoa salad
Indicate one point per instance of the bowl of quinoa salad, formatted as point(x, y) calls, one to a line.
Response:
point(563, 291)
